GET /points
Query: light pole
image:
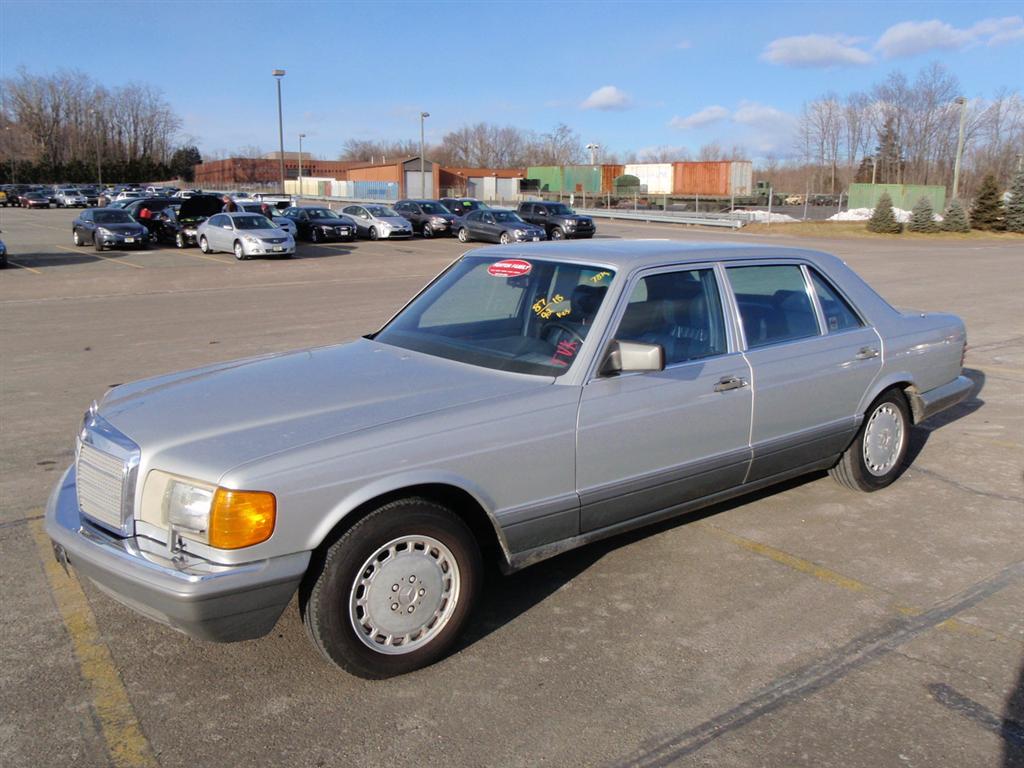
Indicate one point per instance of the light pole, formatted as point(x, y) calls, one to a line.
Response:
point(959, 144)
point(301, 137)
point(874, 168)
point(278, 74)
point(593, 152)
point(99, 149)
point(423, 180)
point(10, 149)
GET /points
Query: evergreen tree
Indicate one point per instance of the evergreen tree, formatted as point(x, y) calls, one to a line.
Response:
point(889, 154)
point(183, 161)
point(987, 211)
point(955, 218)
point(863, 175)
point(1015, 208)
point(883, 219)
point(922, 218)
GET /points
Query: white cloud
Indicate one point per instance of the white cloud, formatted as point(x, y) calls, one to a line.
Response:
point(684, 45)
point(753, 113)
point(809, 51)
point(607, 97)
point(706, 116)
point(910, 38)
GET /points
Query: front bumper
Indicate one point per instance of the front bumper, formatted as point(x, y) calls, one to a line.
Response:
point(395, 234)
point(202, 599)
point(122, 241)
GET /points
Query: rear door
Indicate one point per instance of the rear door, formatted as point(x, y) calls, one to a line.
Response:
point(809, 370)
point(651, 441)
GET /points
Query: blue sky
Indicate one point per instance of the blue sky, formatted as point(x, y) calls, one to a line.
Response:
point(627, 75)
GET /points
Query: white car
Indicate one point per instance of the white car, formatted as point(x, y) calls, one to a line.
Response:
point(245, 235)
point(127, 194)
point(71, 198)
point(248, 206)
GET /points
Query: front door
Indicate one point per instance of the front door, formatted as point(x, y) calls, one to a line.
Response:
point(651, 441)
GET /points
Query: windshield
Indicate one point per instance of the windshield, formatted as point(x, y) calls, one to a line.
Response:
point(252, 222)
point(321, 213)
point(381, 210)
point(507, 314)
point(506, 216)
point(433, 208)
point(464, 206)
point(559, 209)
point(113, 217)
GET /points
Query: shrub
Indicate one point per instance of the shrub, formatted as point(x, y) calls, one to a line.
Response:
point(1015, 208)
point(922, 218)
point(883, 219)
point(955, 218)
point(987, 211)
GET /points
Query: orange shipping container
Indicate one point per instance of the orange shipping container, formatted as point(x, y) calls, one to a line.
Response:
point(609, 173)
point(709, 178)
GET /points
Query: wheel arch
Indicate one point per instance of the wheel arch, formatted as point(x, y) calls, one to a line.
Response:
point(460, 497)
point(901, 381)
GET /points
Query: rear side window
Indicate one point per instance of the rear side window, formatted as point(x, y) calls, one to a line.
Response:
point(839, 315)
point(774, 304)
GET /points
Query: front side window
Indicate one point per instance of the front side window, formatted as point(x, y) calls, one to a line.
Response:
point(681, 311)
point(774, 303)
point(507, 314)
point(839, 315)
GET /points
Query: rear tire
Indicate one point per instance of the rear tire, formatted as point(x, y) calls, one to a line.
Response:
point(875, 457)
point(359, 598)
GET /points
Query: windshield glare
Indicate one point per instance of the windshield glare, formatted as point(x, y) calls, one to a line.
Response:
point(113, 217)
point(506, 216)
point(433, 208)
point(382, 211)
point(507, 314)
point(321, 213)
point(559, 209)
point(252, 222)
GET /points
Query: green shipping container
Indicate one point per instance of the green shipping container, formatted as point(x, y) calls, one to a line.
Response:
point(903, 196)
point(581, 178)
point(549, 176)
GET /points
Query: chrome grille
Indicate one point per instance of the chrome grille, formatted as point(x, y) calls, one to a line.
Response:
point(100, 481)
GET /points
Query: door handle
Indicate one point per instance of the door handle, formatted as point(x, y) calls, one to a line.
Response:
point(730, 382)
point(866, 353)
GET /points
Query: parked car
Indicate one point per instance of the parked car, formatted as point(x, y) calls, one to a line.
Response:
point(318, 224)
point(497, 225)
point(3, 198)
point(108, 228)
point(460, 206)
point(179, 223)
point(378, 222)
point(71, 198)
point(129, 194)
point(245, 235)
point(266, 209)
point(92, 196)
point(34, 199)
point(428, 217)
point(144, 210)
point(278, 202)
point(559, 221)
point(3, 255)
point(526, 402)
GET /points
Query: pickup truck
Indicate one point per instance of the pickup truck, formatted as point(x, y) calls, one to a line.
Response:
point(558, 220)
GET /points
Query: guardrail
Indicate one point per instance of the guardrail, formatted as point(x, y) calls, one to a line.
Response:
point(730, 220)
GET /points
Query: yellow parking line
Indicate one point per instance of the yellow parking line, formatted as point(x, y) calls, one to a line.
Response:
point(36, 271)
point(98, 256)
point(118, 722)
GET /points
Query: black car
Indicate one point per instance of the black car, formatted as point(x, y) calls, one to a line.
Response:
point(34, 199)
point(144, 209)
point(460, 206)
point(108, 228)
point(559, 221)
point(319, 224)
point(177, 223)
point(497, 225)
point(428, 217)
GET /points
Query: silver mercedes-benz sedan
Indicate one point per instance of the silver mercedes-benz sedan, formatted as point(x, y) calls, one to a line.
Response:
point(245, 235)
point(531, 399)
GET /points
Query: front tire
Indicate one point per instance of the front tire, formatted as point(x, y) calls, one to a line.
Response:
point(875, 458)
point(427, 231)
point(179, 240)
point(463, 235)
point(314, 235)
point(76, 238)
point(373, 233)
point(204, 246)
point(240, 251)
point(557, 233)
point(360, 599)
point(505, 238)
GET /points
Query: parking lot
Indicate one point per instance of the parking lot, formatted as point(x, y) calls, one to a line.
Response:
point(805, 625)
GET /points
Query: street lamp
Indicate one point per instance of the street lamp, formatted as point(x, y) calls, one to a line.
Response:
point(593, 152)
point(99, 150)
point(301, 137)
point(423, 180)
point(278, 74)
point(959, 143)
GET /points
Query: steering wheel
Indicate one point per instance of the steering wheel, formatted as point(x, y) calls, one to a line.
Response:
point(564, 327)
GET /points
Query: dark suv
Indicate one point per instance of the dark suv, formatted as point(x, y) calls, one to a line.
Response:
point(428, 217)
point(558, 220)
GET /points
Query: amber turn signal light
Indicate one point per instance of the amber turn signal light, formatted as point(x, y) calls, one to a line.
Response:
point(241, 518)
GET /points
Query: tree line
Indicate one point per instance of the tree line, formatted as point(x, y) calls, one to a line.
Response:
point(66, 127)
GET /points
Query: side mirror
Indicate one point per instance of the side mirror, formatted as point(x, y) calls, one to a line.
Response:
point(630, 357)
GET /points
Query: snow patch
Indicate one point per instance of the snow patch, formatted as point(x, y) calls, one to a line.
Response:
point(762, 217)
point(863, 214)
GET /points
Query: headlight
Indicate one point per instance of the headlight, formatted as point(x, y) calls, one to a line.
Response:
point(570, 224)
point(436, 220)
point(518, 232)
point(251, 240)
point(220, 517)
point(103, 231)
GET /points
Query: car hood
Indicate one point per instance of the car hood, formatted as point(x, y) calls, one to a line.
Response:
point(123, 229)
point(339, 222)
point(200, 206)
point(268, 234)
point(215, 418)
point(394, 221)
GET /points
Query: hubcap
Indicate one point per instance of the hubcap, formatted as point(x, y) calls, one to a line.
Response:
point(883, 439)
point(404, 594)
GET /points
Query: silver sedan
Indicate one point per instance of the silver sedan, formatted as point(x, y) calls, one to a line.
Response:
point(245, 235)
point(378, 222)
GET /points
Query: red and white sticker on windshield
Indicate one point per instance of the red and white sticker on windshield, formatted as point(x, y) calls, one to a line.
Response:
point(510, 268)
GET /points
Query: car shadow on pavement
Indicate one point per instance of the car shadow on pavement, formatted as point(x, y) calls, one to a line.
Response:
point(322, 250)
point(504, 599)
point(1012, 727)
point(64, 259)
point(919, 434)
